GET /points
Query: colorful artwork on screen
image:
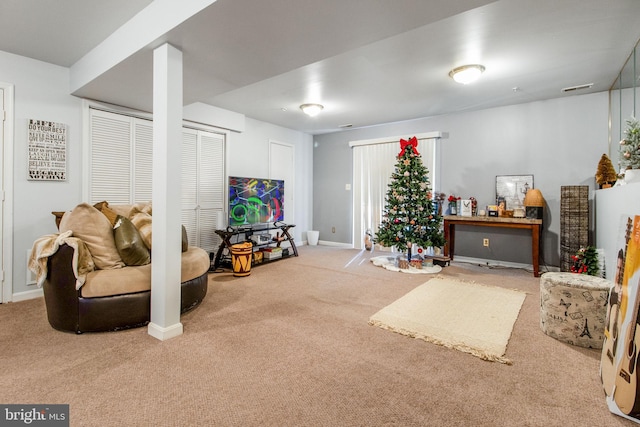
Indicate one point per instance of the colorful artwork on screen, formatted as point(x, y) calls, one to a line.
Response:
point(255, 201)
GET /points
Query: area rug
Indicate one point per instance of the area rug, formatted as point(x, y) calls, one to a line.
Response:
point(465, 316)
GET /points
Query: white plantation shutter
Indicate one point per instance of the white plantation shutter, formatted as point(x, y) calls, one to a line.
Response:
point(122, 163)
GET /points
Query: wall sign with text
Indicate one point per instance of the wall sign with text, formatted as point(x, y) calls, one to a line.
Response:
point(47, 150)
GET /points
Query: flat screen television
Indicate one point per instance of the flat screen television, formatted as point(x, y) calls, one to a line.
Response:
point(255, 201)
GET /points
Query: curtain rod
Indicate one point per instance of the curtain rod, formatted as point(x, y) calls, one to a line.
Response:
point(388, 139)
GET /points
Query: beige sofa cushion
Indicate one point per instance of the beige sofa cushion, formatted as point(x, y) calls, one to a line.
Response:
point(128, 280)
point(90, 225)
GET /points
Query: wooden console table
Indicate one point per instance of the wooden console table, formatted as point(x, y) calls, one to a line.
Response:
point(535, 225)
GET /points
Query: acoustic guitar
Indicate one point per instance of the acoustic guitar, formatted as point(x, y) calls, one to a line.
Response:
point(612, 324)
point(626, 384)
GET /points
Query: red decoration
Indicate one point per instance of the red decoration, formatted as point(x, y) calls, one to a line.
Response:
point(419, 250)
point(412, 144)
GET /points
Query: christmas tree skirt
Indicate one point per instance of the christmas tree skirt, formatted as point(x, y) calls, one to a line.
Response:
point(389, 263)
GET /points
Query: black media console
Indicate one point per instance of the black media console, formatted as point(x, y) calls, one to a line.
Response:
point(261, 238)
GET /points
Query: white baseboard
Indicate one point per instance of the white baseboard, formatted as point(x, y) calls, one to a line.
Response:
point(23, 296)
point(164, 334)
point(497, 263)
point(337, 244)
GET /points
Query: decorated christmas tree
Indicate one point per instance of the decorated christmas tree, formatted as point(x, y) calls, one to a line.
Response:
point(410, 218)
point(630, 145)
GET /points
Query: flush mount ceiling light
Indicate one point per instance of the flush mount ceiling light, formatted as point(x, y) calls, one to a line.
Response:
point(466, 73)
point(311, 109)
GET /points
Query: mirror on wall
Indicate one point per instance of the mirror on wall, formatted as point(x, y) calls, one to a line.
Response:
point(623, 103)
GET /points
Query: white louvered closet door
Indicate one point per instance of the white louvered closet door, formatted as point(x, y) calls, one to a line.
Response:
point(190, 184)
point(202, 186)
point(121, 171)
point(110, 158)
point(212, 186)
point(142, 161)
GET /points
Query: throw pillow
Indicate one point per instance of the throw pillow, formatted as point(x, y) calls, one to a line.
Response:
point(143, 207)
point(185, 240)
point(111, 215)
point(90, 225)
point(142, 221)
point(129, 243)
point(99, 205)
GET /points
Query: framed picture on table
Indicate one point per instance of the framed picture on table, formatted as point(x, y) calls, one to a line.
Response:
point(511, 189)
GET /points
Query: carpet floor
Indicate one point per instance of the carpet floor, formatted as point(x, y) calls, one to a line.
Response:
point(290, 345)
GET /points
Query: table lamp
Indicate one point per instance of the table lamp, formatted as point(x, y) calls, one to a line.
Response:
point(534, 204)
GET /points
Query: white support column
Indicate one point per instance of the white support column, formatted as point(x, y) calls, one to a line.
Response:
point(167, 172)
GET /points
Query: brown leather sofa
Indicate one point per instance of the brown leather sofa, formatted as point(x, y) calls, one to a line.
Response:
point(68, 310)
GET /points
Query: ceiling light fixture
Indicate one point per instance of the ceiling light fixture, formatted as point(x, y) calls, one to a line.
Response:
point(311, 109)
point(466, 74)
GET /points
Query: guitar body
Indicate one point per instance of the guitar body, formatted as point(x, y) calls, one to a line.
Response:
point(626, 383)
point(618, 371)
point(626, 394)
point(609, 351)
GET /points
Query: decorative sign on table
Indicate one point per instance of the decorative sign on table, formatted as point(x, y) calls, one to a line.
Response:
point(511, 189)
point(47, 150)
point(466, 209)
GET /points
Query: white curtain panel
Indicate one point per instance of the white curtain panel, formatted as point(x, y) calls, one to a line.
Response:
point(373, 165)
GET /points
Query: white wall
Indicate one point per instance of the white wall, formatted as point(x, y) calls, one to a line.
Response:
point(559, 141)
point(42, 92)
point(249, 156)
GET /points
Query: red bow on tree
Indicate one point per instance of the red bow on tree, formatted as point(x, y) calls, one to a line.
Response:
point(412, 143)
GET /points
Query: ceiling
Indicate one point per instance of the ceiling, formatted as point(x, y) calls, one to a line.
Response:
point(368, 62)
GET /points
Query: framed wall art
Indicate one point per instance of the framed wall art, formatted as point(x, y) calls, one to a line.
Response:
point(511, 189)
point(47, 150)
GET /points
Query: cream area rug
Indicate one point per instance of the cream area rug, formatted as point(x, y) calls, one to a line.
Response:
point(465, 316)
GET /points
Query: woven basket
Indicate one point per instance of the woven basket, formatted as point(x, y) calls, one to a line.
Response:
point(574, 222)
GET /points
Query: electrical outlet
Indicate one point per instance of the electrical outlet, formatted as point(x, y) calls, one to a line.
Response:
point(485, 243)
point(333, 229)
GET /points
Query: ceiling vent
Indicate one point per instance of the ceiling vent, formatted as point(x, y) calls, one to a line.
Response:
point(575, 88)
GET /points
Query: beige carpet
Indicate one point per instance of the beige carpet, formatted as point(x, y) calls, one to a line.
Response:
point(466, 316)
point(289, 345)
